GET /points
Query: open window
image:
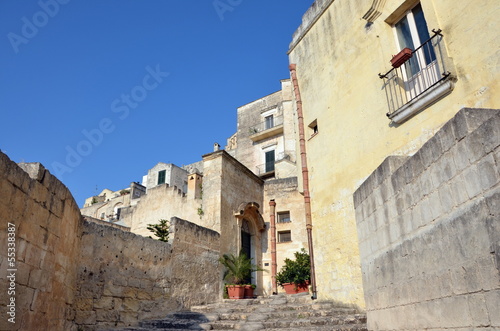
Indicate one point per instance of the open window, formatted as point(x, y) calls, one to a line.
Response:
point(418, 74)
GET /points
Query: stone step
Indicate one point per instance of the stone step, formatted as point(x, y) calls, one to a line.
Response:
point(299, 323)
point(284, 314)
point(281, 312)
point(228, 307)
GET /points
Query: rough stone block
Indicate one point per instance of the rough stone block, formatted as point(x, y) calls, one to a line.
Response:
point(128, 317)
point(431, 151)
point(447, 136)
point(492, 299)
point(469, 119)
point(104, 303)
point(488, 172)
point(446, 198)
point(435, 205)
point(460, 156)
point(85, 317)
point(465, 278)
point(474, 143)
point(23, 273)
point(489, 272)
point(453, 312)
point(35, 170)
point(490, 133)
point(426, 184)
point(84, 303)
point(472, 181)
point(107, 316)
point(457, 186)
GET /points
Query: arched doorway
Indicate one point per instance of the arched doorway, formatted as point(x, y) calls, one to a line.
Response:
point(251, 225)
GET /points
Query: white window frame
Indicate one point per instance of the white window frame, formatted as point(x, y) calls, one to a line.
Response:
point(417, 82)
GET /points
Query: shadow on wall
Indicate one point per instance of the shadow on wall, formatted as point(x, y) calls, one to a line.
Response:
point(68, 273)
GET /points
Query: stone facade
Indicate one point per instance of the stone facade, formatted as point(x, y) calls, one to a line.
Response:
point(429, 231)
point(73, 274)
point(266, 125)
point(339, 50)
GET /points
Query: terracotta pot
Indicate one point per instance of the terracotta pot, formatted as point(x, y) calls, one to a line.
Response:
point(400, 58)
point(291, 288)
point(248, 292)
point(236, 291)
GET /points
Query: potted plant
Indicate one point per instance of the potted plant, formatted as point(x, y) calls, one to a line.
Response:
point(295, 275)
point(249, 291)
point(238, 272)
point(400, 58)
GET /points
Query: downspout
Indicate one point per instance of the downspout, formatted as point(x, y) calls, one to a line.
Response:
point(274, 264)
point(305, 176)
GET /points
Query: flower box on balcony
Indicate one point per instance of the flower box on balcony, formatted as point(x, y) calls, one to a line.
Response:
point(400, 58)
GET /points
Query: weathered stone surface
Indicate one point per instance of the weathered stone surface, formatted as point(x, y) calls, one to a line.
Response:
point(76, 274)
point(442, 272)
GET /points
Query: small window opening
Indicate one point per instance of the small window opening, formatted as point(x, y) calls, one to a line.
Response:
point(284, 236)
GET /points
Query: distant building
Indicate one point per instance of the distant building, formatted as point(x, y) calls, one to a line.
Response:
point(228, 191)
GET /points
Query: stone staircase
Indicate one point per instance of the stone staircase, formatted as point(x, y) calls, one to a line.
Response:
point(280, 312)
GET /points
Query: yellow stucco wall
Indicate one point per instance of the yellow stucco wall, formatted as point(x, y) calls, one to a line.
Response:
point(338, 60)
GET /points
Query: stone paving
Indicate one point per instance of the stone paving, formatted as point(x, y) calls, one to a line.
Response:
point(280, 312)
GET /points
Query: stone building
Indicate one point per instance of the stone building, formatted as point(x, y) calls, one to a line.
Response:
point(361, 104)
point(228, 191)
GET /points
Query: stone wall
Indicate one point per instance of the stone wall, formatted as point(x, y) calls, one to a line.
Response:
point(429, 231)
point(287, 199)
point(46, 221)
point(73, 274)
point(161, 202)
point(123, 277)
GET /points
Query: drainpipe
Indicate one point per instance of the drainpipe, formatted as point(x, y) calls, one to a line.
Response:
point(274, 264)
point(305, 175)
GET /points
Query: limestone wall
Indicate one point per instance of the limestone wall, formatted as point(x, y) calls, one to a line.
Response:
point(64, 273)
point(226, 185)
point(339, 56)
point(123, 277)
point(429, 231)
point(161, 202)
point(44, 217)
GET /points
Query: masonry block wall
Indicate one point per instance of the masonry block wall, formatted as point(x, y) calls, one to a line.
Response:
point(429, 231)
point(71, 274)
point(124, 277)
point(41, 212)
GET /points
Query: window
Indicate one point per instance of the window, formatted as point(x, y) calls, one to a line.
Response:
point(418, 76)
point(313, 128)
point(270, 158)
point(411, 32)
point(284, 236)
point(161, 177)
point(421, 70)
point(284, 217)
point(103, 215)
point(269, 122)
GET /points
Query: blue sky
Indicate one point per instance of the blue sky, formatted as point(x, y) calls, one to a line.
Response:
point(99, 91)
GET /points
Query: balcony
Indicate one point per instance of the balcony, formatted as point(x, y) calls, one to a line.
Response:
point(267, 169)
point(272, 126)
point(419, 81)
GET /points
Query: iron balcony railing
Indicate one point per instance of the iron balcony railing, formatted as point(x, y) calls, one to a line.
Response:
point(269, 123)
point(423, 70)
